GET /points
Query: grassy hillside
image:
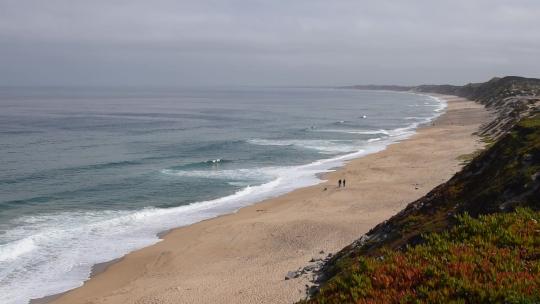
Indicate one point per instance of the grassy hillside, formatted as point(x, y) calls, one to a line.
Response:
point(432, 252)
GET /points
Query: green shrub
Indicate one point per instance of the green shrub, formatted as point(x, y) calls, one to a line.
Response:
point(492, 259)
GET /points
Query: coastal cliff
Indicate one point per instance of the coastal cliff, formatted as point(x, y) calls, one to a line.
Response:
point(475, 238)
point(511, 98)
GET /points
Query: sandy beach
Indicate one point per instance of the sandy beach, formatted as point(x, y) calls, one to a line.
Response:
point(244, 257)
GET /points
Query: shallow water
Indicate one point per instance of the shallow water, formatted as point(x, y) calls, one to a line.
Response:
point(89, 174)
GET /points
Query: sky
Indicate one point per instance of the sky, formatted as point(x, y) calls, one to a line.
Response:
point(272, 42)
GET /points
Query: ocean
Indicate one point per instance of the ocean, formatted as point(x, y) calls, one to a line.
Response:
point(90, 174)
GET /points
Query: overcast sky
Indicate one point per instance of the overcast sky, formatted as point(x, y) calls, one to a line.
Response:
point(272, 42)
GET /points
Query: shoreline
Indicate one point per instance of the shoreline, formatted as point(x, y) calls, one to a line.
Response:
point(337, 162)
point(116, 269)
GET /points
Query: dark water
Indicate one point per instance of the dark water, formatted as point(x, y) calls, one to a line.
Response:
point(90, 174)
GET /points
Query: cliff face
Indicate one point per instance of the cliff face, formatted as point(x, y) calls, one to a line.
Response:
point(511, 98)
point(503, 177)
point(490, 92)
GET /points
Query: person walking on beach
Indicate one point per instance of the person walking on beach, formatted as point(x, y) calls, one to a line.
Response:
point(343, 183)
point(339, 184)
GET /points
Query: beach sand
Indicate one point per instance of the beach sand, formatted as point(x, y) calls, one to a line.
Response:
point(244, 257)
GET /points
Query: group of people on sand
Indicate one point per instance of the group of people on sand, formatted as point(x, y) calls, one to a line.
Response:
point(341, 182)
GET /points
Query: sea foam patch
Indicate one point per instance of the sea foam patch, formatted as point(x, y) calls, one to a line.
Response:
point(323, 146)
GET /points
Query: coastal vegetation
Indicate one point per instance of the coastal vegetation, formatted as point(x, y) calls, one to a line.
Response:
point(473, 239)
point(495, 258)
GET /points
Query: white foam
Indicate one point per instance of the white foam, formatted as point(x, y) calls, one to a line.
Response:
point(352, 131)
point(53, 253)
point(257, 174)
point(13, 250)
point(323, 146)
point(374, 139)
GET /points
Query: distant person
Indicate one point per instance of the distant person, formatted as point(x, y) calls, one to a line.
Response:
point(343, 183)
point(339, 184)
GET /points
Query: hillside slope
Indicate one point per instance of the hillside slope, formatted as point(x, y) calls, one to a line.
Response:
point(502, 178)
point(511, 98)
point(492, 259)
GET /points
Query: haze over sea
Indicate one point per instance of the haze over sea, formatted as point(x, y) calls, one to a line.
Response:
point(89, 174)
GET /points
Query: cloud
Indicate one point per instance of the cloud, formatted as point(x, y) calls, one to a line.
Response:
point(265, 42)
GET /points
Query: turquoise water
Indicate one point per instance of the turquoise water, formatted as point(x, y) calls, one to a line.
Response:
point(89, 174)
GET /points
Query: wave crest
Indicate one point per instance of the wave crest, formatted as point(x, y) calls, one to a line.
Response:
point(323, 146)
point(258, 174)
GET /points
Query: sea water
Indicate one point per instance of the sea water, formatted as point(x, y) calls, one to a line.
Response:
point(90, 174)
